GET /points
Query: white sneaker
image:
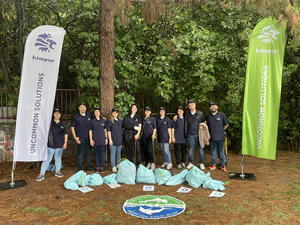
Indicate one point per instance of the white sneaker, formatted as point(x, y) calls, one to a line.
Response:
point(164, 164)
point(189, 166)
point(179, 166)
point(183, 165)
point(152, 166)
point(202, 167)
point(118, 166)
point(148, 166)
point(169, 166)
point(114, 169)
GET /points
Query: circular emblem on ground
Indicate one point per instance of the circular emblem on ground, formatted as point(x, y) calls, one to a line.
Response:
point(154, 206)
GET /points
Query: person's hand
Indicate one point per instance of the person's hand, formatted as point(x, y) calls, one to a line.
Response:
point(106, 141)
point(170, 140)
point(77, 140)
point(136, 137)
point(65, 145)
point(153, 136)
point(174, 140)
point(111, 143)
point(175, 117)
point(104, 118)
point(92, 143)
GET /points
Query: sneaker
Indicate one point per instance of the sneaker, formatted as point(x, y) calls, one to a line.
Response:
point(114, 169)
point(164, 165)
point(89, 169)
point(183, 165)
point(118, 166)
point(40, 177)
point(223, 168)
point(189, 166)
point(212, 167)
point(152, 166)
point(97, 170)
point(179, 166)
point(202, 167)
point(169, 166)
point(59, 174)
point(101, 170)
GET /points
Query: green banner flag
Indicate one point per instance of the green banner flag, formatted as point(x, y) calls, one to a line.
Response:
point(263, 89)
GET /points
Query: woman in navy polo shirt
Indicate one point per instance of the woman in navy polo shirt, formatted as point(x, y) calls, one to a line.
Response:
point(148, 136)
point(114, 129)
point(98, 138)
point(57, 142)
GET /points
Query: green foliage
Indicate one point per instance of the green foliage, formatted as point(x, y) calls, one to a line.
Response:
point(123, 101)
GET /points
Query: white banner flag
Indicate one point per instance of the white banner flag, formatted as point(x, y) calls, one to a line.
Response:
point(37, 92)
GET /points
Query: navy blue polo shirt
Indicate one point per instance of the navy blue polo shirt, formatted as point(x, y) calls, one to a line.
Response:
point(193, 122)
point(149, 125)
point(131, 122)
point(216, 125)
point(97, 127)
point(81, 125)
point(58, 133)
point(116, 132)
point(178, 127)
point(162, 129)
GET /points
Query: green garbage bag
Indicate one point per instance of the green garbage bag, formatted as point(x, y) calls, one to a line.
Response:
point(74, 181)
point(193, 177)
point(178, 178)
point(144, 175)
point(162, 176)
point(94, 179)
point(126, 173)
point(110, 179)
point(214, 185)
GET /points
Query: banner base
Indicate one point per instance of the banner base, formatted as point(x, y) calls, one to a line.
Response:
point(9, 185)
point(242, 176)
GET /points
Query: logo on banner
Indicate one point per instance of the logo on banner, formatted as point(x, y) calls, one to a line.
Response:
point(154, 207)
point(268, 34)
point(45, 42)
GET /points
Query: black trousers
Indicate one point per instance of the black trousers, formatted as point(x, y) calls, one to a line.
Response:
point(180, 152)
point(148, 150)
point(129, 144)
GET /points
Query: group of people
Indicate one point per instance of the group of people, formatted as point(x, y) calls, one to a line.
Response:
point(188, 129)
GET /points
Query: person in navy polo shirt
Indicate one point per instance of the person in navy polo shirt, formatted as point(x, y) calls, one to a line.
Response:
point(217, 124)
point(80, 132)
point(98, 139)
point(164, 138)
point(148, 136)
point(115, 137)
point(132, 125)
point(57, 142)
point(178, 139)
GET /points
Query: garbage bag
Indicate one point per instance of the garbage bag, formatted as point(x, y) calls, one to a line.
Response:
point(144, 175)
point(178, 178)
point(162, 176)
point(126, 173)
point(110, 179)
point(78, 178)
point(195, 177)
point(94, 179)
point(214, 185)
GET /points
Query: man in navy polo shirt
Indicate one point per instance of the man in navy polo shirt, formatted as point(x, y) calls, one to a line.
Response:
point(80, 132)
point(217, 124)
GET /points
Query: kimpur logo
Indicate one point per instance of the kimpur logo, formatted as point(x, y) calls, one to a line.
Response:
point(268, 34)
point(45, 42)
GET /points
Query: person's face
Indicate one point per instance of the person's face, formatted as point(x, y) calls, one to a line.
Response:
point(192, 106)
point(115, 114)
point(97, 113)
point(201, 127)
point(82, 109)
point(133, 109)
point(180, 112)
point(147, 113)
point(162, 113)
point(57, 115)
point(213, 108)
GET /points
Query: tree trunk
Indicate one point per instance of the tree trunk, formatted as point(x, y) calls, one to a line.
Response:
point(20, 8)
point(106, 57)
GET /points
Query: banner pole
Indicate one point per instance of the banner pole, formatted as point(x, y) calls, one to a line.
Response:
point(242, 165)
point(12, 174)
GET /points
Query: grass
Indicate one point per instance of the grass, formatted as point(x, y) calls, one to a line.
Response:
point(43, 210)
point(294, 196)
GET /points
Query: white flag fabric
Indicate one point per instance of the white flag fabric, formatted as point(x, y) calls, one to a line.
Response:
point(37, 92)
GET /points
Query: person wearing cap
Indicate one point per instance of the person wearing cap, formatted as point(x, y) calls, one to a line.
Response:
point(57, 142)
point(164, 137)
point(132, 125)
point(98, 138)
point(148, 136)
point(178, 139)
point(80, 131)
point(217, 124)
point(115, 136)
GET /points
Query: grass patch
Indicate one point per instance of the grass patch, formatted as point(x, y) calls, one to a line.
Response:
point(43, 210)
point(294, 196)
point(252, 204)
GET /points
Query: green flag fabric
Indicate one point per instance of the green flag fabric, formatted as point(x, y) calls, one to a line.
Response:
point(262, 89)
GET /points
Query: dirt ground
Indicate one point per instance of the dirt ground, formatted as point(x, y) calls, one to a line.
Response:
point(274, 198)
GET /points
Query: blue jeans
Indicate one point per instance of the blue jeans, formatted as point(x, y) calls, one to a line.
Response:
point(192, 140)
point(86, 144)
point(57, 157)
point(166, 152)
point(113, 151)
point(99, 151)
point(214, 145)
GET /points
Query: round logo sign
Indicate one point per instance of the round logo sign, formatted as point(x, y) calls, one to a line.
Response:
point(154, 206)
